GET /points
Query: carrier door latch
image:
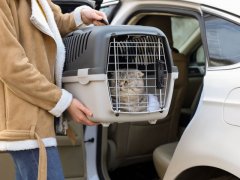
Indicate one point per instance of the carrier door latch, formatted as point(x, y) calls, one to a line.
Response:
point(84, 77)
point(160, 74)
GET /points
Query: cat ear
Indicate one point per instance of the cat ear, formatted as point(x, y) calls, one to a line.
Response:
point(140, 74)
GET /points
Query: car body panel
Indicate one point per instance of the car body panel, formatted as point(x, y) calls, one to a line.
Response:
point(231, 6)
point(209, 140)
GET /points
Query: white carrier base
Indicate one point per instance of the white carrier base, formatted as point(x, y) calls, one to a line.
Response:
point(93, 92)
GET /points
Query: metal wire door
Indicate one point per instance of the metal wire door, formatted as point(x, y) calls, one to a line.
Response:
point(137, 73)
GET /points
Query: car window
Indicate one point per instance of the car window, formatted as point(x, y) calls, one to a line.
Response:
point(183, 28)
point(200, 56)
point(223, 38)
point(109, 8)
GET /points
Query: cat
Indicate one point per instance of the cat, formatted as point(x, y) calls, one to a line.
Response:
point(130, 91)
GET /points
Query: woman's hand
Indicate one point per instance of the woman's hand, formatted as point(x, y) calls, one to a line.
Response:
point(92, 16)
point(80, 113)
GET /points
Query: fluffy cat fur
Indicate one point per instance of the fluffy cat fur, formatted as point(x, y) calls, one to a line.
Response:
point(130, 87)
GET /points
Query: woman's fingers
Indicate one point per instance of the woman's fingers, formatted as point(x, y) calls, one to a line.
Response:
point(97, 15)
point(84, 109)
point(91, 16)
point(81, 118)
point(80, 113)
point(102, 14)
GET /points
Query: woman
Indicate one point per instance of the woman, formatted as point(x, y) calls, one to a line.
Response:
point(32, 57)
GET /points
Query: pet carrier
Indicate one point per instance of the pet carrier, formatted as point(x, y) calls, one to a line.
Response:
point(121, 73)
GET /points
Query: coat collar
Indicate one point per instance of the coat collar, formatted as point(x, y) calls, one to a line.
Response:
point(38, 19)
point(43, 19)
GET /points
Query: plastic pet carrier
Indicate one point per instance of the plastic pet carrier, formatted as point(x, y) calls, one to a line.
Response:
point(121, 73)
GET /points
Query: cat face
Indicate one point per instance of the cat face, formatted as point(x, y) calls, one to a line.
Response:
point(130, 81)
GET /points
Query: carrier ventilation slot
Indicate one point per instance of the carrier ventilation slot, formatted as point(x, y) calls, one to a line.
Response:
point(137, 73)
point(80, 41)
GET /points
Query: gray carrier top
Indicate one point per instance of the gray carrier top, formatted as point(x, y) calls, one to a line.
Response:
point(93, 46)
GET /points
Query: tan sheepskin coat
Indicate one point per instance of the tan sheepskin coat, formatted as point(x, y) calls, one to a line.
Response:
point(27, 65)
point(27, 60)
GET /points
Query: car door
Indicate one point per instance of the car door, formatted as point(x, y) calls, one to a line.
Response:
point(211, 139)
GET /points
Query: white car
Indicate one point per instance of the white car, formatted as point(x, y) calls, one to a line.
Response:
point(199, 139)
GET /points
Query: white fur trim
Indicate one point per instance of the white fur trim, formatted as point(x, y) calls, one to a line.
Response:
point(60, 57)
point(38, 19)
point(62, 104)
point(26, 144)
point(77, 15)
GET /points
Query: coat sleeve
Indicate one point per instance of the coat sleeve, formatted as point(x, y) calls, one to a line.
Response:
point(21, 77)
point(69, 21)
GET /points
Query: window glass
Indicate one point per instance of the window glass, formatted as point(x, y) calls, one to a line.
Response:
point(200, 56)
point(186, 37)
point(109, 8)
point(223, 38)
point(183, 28)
